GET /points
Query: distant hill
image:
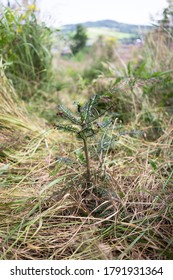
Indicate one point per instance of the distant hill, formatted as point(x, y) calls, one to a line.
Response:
point(118, 26)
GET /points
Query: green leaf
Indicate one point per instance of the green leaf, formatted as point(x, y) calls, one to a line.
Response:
point(106, 142)
point(117, 81)
point(80, 156)
point(67, 128)
point(159, 74)
point(67, 114)
point(88, 109)
point(140, 70)
point(56, 169)
point(129, 68)
point(105, 124)
point(51, 184)
point(153, 164)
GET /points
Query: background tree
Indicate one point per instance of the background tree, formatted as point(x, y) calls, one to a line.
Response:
point(79, 39)
point(167, 20)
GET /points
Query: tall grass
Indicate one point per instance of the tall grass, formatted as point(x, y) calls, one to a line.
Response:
point(25, 48)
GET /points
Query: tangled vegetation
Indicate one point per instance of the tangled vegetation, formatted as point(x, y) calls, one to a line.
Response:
point(109, 197)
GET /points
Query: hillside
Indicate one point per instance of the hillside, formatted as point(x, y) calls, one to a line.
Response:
point(118, 26)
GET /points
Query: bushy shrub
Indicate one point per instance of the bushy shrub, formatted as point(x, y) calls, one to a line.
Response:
point(79, 39)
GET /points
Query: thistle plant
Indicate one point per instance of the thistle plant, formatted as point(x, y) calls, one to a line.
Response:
point(84, 124)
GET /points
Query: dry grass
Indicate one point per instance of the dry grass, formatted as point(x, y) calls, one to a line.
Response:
point(128, 215)
point(159, 45)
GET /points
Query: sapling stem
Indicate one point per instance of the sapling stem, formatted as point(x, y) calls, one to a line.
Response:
point(88, 175)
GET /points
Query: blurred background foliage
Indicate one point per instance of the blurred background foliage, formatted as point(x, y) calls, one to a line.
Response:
point(25, 46)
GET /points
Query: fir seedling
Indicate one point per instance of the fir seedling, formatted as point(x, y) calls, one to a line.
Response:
point(84, 124)
point(90, 120)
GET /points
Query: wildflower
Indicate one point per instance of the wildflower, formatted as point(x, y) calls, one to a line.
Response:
point(32, 8)
point(23, 16)
point(19, 30)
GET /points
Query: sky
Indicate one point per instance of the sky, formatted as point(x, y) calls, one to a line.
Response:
point(60, 12)
point(78, 11)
